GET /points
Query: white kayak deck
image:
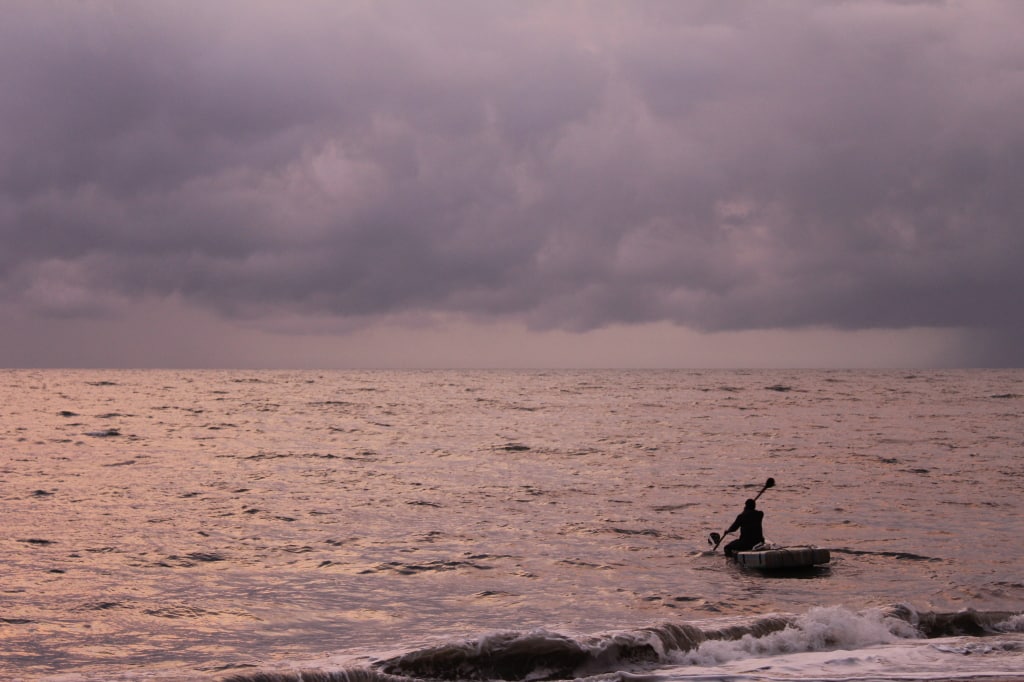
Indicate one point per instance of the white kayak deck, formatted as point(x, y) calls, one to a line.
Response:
point(783, 557)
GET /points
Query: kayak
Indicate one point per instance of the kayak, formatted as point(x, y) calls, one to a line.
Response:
point(776, 558)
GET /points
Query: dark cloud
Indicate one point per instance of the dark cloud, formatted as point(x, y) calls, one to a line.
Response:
point(723, 166)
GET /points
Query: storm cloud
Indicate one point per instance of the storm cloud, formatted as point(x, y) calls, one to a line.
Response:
point(720, 166)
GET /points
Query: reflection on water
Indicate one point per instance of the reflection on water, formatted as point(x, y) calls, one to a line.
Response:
point(205, 520)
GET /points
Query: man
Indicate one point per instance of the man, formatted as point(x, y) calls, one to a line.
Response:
point(749, 525)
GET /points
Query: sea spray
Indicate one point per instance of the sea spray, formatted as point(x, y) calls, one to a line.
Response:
point(820, 629)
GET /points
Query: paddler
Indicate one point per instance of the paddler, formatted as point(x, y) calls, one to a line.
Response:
point(749, 525)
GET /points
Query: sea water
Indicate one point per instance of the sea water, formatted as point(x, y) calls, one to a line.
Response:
point(261, 525)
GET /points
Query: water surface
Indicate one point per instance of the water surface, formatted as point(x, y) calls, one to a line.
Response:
point(167, 524)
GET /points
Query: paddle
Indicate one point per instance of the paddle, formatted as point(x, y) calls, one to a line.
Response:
point(715, 539)
point(770, 483)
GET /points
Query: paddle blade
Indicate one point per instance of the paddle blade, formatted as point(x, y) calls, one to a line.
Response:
point(714, 539)
point(770, 483)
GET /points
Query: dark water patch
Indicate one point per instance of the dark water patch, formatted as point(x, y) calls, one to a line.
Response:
point(105, 433)
point(514, 447)
point(580, 563)
point(174, 562)
point(674, 507)
point(1007, 396)
point(908, 556)
point(259, 456)
point(363, 456)
point(191, 559)
point(650, 532)
point(479, 557)
point(15, 621)
point(178, 611)
point(285, 455)
point(491, 594)
point(338, 543)
point(42, 493)
point(38, 542)
point(206, 556)
point(99, 606)
point(779, 388)
point(428, 567)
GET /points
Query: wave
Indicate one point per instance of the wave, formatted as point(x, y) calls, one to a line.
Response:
point(908, 556)
point(543, 655)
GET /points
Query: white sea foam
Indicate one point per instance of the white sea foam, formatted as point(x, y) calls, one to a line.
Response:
point(1012, 624)
point(820, 629)
point(903, 660)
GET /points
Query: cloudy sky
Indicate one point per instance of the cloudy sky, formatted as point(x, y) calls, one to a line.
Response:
point(491, 183)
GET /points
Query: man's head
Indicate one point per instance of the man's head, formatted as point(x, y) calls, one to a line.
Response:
point(750, 505)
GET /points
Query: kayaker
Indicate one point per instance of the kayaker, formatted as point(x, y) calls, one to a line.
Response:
point(749, 525)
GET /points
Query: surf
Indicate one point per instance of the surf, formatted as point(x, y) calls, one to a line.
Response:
point(828, 642)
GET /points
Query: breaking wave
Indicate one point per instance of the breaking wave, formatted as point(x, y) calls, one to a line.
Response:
point(544, 655)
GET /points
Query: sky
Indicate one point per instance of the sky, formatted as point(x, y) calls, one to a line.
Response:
point(510, 183)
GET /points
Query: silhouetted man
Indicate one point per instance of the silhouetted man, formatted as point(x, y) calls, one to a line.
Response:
point(749, 525)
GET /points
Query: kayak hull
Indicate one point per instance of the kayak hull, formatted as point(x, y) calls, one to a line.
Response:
point(783, 558)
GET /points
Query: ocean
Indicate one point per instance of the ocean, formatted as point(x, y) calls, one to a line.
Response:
point(250, 526)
